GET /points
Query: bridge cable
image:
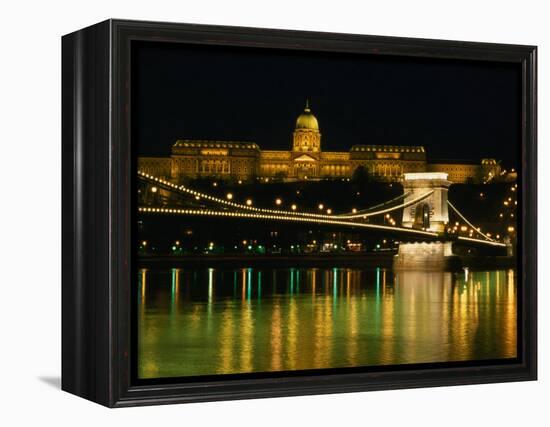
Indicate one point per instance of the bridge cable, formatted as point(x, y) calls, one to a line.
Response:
point(183, 189)
point(369, 209)
point(383, 211)
point(203, 212)
point(468, 222)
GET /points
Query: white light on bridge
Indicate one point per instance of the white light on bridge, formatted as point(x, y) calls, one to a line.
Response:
point(278, 201)
point(249, 202)
point(425, 175)
point(154, 189)
point(321, 206)
point(229, 196)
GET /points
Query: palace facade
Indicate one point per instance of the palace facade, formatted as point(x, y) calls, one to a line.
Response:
point(245, 161)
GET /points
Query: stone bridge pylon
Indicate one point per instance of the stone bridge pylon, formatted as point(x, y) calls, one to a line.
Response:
point(431, 213)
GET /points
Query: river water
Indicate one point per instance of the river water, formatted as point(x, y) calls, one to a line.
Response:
point(224, 321)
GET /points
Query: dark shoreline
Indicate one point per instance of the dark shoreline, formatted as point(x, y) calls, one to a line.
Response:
point(384, 260)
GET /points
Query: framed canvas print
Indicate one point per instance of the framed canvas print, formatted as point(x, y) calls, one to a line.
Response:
point(258, 213)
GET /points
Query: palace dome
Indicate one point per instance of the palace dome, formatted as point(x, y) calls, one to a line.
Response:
point(307, 120)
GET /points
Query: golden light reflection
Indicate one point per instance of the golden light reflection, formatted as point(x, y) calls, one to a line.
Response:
point(210, 290)
point(458, 324)
point(313, 282)
point(175, 288)
point(143, 286)
point(247, 337)
point(317, 333)
point(323, 344)
point(413, 323)
point(352, 318)
point(387, 326)
point(276, 336)
point(510, 316)
point(352, 342)
point(292, 334)
point(226, 340)
point(348, 284)
point(328, 331)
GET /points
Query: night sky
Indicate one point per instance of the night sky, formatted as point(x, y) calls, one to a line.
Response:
point(457, 110)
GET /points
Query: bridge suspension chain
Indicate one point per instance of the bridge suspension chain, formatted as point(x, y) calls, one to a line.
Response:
point(368, 210)
point(185, 190)
point(383, 211)
point(468, 222)
point(265, 216)
point(262, 213)
point(188, 191)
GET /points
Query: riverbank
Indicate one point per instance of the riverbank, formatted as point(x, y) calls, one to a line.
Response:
point(381, 259)
point(371, 260)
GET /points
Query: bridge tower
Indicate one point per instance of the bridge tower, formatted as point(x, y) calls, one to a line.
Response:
point(432, 213)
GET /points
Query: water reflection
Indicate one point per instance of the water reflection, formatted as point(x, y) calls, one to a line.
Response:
point(211, 321)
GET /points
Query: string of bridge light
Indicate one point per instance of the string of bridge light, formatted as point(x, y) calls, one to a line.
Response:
point(198, 195)
point(354, 214)
point(485, 242)
point(203, 212)
point(367, 210)
point(297, 219)
point(388, 210)
point(468, 222)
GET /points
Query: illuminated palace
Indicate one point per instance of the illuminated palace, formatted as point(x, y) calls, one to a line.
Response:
point(306, 160)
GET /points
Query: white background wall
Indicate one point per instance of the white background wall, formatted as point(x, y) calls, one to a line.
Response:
point(30, 213)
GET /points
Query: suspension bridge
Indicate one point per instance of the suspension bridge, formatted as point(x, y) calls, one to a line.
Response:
point(424, 205)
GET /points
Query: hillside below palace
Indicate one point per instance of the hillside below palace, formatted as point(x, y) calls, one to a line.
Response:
point(245, 161)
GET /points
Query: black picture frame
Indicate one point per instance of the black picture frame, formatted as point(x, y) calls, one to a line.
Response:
point(97, 206)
